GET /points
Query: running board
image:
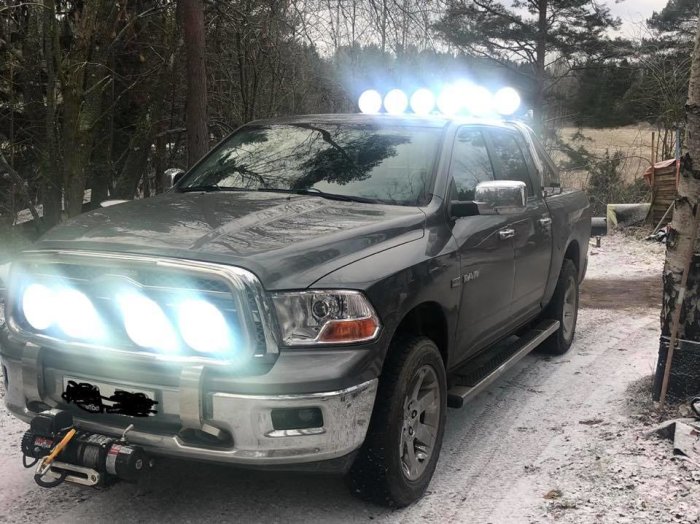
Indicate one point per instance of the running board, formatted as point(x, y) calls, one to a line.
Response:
point(477, 375)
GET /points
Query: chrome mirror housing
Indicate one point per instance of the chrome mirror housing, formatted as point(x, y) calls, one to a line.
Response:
point(501, 197)
point(171, 177)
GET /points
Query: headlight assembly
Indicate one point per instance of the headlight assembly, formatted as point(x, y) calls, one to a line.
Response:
point(325, 317)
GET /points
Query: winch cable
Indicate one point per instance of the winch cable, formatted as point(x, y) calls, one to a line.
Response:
point(46, 462)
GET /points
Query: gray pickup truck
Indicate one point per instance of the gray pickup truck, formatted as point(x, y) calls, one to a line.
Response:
point(311, 295)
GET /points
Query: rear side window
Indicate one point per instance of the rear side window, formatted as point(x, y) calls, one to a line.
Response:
point(470, 162)
point(508, 158)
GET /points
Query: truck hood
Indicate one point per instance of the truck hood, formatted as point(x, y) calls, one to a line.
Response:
point(288, 241)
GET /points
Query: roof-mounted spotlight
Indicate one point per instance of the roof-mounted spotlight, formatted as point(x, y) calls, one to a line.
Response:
point(423, 101)
point(370, 102)
point(506, 101)
point(478, 100)
point(450, 100)
point(395, 102)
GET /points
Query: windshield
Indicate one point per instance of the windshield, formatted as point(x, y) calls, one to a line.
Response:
point(383, 164)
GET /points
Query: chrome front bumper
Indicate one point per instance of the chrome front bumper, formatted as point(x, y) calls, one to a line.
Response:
point(246, 418)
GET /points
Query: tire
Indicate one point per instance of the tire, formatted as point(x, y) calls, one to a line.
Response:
point(384, 472)
point(564, 308)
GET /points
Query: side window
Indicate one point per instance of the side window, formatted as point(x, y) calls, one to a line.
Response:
point(509, 159)
point(470, 162)
point(550, 174)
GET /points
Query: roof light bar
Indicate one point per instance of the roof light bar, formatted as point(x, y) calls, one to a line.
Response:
point(460, 98)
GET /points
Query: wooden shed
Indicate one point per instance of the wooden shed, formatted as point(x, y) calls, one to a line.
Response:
point(663, 179)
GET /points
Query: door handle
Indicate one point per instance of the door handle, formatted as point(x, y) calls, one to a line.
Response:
point(545, 222)
point(505, 234)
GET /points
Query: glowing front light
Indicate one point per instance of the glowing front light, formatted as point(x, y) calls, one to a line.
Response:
point(38, 306)
point(203, 326)
point(506, 101)
point(423, 102)
point(76, 316)
point(395, 102)
point(478, 100)
point(145, 322)
point(370, 102)
point(450, 100)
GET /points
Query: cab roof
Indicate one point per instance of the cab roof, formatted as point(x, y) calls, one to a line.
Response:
point(408, 120)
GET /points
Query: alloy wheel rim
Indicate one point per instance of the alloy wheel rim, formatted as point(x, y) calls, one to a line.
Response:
point(569, 309)
point(420, 422)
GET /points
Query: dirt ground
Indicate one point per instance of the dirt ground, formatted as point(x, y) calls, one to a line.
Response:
point(555, 440)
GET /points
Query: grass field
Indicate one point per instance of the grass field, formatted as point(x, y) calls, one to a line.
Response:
point(633, 141)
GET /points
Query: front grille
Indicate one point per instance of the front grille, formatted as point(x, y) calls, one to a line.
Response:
point(100, 279)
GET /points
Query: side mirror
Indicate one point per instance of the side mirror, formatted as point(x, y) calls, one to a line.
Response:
point(171, 177)
point(461, 209)
point(501, 197)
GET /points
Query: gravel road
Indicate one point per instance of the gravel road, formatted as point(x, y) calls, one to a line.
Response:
point(556, 439)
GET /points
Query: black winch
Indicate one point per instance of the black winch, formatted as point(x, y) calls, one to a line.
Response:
point(64, 453)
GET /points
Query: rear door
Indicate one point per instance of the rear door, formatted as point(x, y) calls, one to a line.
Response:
point(532, 242)
point(487, 265)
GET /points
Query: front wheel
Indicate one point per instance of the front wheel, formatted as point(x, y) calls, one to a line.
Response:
point(564, 308)
point(397, 460)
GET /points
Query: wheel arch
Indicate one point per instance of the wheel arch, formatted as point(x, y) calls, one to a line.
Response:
point(573, 253)
point(427, 319)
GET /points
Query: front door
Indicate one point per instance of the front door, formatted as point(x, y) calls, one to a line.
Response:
point(485, 249)
point(532, 242)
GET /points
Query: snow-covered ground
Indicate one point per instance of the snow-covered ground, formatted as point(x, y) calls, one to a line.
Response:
point(555, 440)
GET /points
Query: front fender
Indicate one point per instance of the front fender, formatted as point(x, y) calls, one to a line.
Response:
point(401, 278)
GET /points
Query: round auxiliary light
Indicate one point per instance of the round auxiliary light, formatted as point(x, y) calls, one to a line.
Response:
point(450, 100)
point(203, 326)
point(507, 101)
point(76, 316)
point(479, 100)
point(423, 101)
point(370, 102)
point(395, 102)
point(145, 322)
point(38, 306)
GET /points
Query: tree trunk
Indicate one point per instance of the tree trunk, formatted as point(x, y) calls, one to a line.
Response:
point(540, 65)
point(192, 20)
point(682, 240)
point(51, 163)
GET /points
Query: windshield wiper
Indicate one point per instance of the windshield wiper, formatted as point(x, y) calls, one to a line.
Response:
point(209, 188)
point(313, 191)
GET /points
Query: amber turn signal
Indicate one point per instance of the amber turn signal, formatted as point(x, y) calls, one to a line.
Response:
point(349, 331)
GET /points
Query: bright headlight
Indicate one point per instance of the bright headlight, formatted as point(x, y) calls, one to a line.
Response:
point(325, 317)
point(370, 102)
point(478, 100)
point(507, 101)
point(38, 306)
point(203, 327)
point(76, 316)
point(423, 101)
point(145, 322)
point(395, 102)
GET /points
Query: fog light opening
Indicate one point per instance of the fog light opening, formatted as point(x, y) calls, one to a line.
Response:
point(296, 418)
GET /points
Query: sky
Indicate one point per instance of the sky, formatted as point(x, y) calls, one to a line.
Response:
point(633, 13)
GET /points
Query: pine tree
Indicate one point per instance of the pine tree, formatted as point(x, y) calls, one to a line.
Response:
point(540, 35)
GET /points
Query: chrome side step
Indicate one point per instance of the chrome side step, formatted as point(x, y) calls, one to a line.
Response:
point(479, 374)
